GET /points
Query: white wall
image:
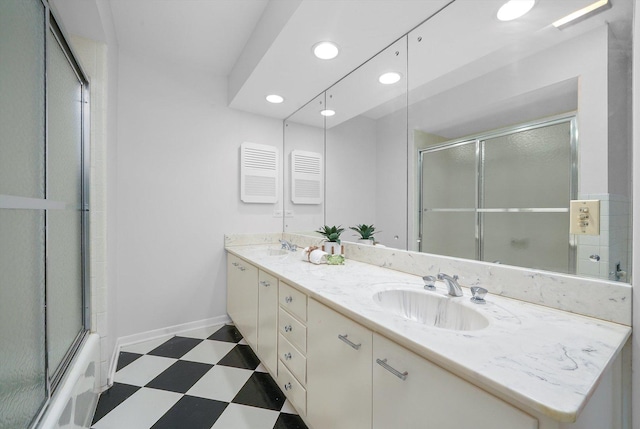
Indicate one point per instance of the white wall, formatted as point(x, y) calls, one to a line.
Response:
point(178, 193)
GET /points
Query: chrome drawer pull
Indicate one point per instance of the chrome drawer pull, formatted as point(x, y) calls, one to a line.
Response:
point(383, 363)
point(288, 328)
point(288, 386)
point(242, 268)
point(265, 283)
point(235, 264)
point(287, 356)
point(288, 299)
point(344, 338)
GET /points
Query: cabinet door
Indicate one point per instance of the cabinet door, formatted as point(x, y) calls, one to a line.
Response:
point(268, 320)
point(242, 297)
point(421, 395)
point(338, 370)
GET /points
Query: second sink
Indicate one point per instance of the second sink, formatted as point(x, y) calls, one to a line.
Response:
point(431, 309)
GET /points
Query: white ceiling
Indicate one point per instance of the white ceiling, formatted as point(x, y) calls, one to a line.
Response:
point(206, 34)
point(264, 46)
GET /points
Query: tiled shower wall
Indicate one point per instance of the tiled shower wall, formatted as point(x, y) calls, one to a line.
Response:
point(612, 245)
point(93, 58)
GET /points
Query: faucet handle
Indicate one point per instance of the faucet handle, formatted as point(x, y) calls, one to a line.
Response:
point(429, 282)
point(478, 294)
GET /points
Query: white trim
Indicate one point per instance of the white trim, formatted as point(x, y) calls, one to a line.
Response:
point(168, 331)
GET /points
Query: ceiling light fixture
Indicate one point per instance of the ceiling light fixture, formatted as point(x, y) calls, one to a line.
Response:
point(583, 13)
point(274, 98)
point(325, 50)
point(514, 9)
point(389, 78)
point(327, 112)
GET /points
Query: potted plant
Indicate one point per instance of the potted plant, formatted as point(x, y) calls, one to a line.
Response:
point(332, 237)
point(365, 232)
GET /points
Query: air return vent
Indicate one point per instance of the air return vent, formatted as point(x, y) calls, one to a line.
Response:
point(258, 173)
point(306, 177)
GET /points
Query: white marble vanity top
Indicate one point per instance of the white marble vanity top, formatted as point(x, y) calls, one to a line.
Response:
point(545, 359)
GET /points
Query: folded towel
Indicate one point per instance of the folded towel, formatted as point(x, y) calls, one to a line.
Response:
point(314, 255)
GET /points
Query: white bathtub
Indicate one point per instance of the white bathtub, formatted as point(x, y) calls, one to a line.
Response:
point(75, 400)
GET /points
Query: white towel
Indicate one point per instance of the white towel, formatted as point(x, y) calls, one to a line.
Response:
point(314, 255)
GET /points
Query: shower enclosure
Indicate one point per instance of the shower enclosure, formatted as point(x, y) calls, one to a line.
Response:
point(502, 196)
point(43, 209)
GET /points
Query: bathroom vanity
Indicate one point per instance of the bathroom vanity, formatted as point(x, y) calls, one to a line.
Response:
point(354, 346)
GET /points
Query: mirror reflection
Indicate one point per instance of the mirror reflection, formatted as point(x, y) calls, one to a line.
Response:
point(491, 131)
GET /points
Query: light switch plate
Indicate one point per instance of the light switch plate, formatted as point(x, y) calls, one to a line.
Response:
point(585, 217)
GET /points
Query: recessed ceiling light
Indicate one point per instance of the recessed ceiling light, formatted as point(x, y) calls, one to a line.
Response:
point(582, 13)
point(327, 112)
point(325, 50)
point(389, 78)
point(275, 99)
point(514, 9)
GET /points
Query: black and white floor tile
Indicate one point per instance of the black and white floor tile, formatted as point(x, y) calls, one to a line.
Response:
point(204, 379)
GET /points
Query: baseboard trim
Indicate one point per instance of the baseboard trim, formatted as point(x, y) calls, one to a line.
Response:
point(168, 331)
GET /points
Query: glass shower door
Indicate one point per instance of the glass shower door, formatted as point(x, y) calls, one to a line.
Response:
point(64, 225)
point(526, 189)
point(448, 201)
point(22, 206)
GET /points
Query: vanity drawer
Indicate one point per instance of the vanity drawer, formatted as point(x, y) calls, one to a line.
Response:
point(294, 301)
point(292, 389)
point(293, 359)
point(293, 330)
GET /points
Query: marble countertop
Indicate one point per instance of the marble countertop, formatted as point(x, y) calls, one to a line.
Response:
point(545, 359)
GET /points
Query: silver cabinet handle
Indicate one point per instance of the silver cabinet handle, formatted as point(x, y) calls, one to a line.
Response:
point(288, 386)
point(288, 328)
point(242, 268)
point(287, 356)
point(354, 345)
point(235, 264)
point(288, 299)
point(265, 283)
point(383, 363)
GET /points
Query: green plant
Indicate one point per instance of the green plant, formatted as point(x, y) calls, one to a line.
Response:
point(365, 231)
point(331, 233)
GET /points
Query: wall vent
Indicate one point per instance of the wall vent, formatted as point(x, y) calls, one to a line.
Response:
point(258, 173)
point(306, 177)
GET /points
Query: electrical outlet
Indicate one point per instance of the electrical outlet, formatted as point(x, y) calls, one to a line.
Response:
point(585, 217)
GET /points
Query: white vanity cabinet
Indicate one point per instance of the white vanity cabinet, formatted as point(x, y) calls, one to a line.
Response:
point(268, 320)
point(409, 389)
point(292, 345)
point(338, 371)
point(242, 297)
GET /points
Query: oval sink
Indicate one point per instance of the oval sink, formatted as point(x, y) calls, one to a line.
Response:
point(277, 252)
point(432, 310)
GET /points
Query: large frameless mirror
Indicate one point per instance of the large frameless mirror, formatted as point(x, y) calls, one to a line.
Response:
point(492, 129)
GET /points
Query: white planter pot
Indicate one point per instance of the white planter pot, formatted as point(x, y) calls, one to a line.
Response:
point(365, 241)
point(333, 248)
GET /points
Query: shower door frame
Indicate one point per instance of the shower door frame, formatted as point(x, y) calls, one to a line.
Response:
point(478, 140)
point(54, 376)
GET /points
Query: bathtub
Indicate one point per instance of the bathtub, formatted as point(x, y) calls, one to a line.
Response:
point(75, 400)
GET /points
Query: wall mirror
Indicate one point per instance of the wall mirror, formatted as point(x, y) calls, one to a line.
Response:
point(491, 130)
point(304, 159)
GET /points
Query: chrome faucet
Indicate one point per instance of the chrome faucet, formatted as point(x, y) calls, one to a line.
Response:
point(288, 246)
point(452, 284)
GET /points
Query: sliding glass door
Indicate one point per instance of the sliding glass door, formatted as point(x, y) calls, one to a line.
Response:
point(502, 197)
point(42, 209)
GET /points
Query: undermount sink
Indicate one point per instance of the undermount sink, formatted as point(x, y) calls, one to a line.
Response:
point(277, 252)
point(430, 309)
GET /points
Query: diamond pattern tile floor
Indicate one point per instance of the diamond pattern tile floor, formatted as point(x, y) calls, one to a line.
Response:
point(205, 379)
